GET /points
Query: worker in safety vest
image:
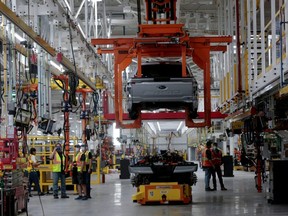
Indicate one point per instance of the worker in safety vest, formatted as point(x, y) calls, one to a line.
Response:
point(217, 162)
point(81, 169)
point(207, 165)
point(32, 170)
point(58, 160)
point(88, 162)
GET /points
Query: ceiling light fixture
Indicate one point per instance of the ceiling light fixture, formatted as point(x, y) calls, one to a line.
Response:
point(158, 126)
point(57, 66)
point(81, 30)
point(151, 125)
point(18, 37)
point(67, 4)
point(179, 126)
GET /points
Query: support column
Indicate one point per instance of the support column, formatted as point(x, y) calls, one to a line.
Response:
point(273, 32)
point(255, 56)
point(262, 23)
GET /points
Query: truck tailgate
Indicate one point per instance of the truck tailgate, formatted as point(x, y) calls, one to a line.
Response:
point(174, 90)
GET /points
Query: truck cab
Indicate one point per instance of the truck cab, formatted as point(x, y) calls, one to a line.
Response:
point(162, 86)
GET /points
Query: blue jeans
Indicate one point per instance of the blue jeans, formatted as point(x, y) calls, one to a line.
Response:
point(56, 177)
point(208, 172)
point(33, 178)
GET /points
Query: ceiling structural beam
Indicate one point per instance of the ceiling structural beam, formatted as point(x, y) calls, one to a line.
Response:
point(77, 28)
point(16, 20)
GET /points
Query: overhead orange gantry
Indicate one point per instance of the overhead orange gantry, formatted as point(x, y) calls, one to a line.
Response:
point(161, 40)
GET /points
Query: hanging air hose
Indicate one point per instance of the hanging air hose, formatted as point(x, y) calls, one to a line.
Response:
point(95, 98)
point(249, 138)
point(249, 131)
point(73, 84)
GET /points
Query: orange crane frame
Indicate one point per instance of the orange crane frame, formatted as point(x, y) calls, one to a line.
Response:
point(162, 40)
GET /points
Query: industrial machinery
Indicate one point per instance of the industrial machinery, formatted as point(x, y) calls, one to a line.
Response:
point(162, 37)
point(166, 177)
point(163, 178)
point(13, 184)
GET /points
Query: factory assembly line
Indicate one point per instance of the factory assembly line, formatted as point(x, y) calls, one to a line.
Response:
point(162, 178)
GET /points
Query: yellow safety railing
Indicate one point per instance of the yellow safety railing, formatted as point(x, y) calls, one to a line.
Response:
point(44, 147)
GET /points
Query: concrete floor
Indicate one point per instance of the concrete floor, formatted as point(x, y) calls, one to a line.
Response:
point(114, 198)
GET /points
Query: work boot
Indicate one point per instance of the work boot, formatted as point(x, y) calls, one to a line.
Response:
point(208, 189)
point(79, 198)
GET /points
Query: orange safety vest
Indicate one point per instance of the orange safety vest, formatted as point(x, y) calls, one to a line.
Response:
point(79, 162)
point(217, 157)
point(205, 161)
point(237, 155)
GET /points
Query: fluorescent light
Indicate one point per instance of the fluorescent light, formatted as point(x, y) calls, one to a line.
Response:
point(18, 37)
point(179, 126)
point(151, 125)
point(67, 4)
point(81, 30)
point(57, 66)
point(184, 129)
point(158, 126)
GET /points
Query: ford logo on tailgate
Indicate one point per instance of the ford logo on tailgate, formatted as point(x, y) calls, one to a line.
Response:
point(162, 87)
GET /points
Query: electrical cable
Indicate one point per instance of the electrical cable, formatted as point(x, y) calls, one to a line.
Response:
point(71, 40)
point(75, 111)
point(95, 98)
point(73, 84)
point(19, 99)
point(61, 87)
point(56, 112)
point(73, 78)
point(40, 200)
